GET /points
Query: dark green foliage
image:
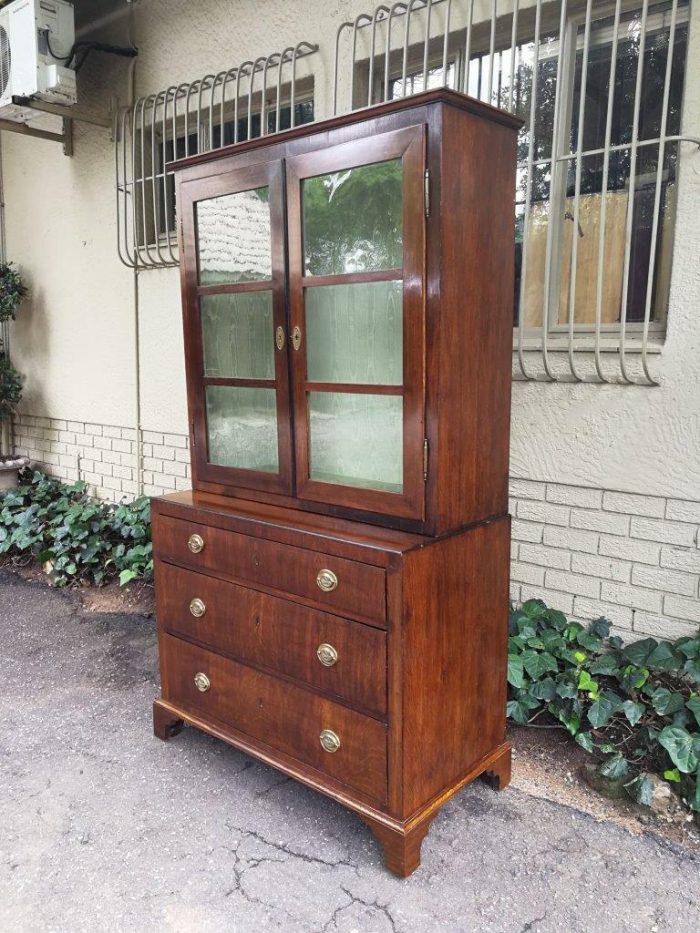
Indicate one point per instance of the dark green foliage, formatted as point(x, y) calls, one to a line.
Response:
point(635, 707)
point(78, 539)
point(12, 291)
point(10, 388)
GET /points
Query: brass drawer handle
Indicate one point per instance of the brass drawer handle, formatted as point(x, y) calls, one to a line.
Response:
point(201, 682)
point(326, 580)
point(327, 655)
point(330, 742)
point(197, 608)
point(195, 543)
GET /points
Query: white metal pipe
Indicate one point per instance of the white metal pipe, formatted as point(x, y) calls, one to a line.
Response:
point(657, 192)
point(577, 191)
point(556, 132)
point(528, 191)
point(600, 271)
point(492, 49)
point(632, 185)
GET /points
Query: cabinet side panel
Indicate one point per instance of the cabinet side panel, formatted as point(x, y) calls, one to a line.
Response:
point(470, 383)
point(454, 658)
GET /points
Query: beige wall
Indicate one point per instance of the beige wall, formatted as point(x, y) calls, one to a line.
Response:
point(75, 340)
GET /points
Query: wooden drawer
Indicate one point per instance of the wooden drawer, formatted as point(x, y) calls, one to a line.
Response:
point(277, 634)
point(275, 712)
point(360, 588)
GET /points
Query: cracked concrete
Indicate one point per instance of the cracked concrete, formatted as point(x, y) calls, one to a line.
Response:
point(104, 828)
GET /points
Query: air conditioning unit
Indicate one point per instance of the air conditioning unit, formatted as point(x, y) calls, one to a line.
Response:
point(36, 40)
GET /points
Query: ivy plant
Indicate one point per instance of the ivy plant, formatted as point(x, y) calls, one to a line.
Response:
point(10, 388)
point(77, 538)
point(12, 291)
point(636, 707)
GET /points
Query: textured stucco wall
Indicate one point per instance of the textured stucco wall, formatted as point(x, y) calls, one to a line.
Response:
point(75, 340)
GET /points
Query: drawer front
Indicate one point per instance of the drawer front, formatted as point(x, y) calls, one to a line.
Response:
point(345, 659)
point(277, 713)
point(346, 586)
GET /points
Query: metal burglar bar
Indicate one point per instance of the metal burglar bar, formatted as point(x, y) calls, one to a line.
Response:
point(600, 88)
point(249, 100)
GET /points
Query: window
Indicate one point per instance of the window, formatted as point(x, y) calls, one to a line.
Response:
point(158, 225)
point(270, 93)
point(598, 155)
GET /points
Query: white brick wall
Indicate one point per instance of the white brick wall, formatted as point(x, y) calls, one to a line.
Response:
point(104, 455)
point(592, 552)
point(588, 552)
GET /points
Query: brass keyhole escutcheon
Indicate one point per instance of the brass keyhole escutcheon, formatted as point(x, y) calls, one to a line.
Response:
point(296, 338)
point(326, 580)
point(195, 543)
point(197, 608)
point(279, 338)
point(201, 682)
point(330, 742)
point(327, 655)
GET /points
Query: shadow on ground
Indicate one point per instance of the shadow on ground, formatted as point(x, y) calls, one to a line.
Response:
point(103, 827)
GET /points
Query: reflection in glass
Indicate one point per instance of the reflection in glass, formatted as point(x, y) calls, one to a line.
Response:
point(353, 220)
point(233, 238)
point(242, 427)
point(354, 333)
point(238, 335)
point(356, 440)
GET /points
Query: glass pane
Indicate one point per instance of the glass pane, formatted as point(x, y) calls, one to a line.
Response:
point(353, 220)
point(354, 333)
point(357, 440)
point(242, 427)
point(238, 335)
point(233, 238)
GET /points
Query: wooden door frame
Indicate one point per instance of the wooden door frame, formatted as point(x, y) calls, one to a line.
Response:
point(409, 144)
point(268, 174)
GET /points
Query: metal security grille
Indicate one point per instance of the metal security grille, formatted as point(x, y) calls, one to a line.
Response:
point(600, 89)
point(249, 100)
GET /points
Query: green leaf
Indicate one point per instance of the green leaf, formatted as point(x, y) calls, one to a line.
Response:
point(639, 651)
point(692, 669)
point(690, 647)
point(586, 682)
point(566, 689)
point(580, 656)
point(585, 740)
point(534, 608)
point(544, 690)
point(615, 767)
point(680, 746)
point(602, 710)
point(664, 658)
point(633, 711)
point(605, 664)
point(515, 664)
point(641, 789)
point(666, 702)
point(126, 575)
point(588, 641)
point(538, 663)
point(600, 627)
point(633, 678)
point(518, 711)
point(672, 774)
point(693, 705)
point(694, 799)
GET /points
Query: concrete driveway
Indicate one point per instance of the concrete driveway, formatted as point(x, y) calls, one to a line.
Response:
point(103, 827)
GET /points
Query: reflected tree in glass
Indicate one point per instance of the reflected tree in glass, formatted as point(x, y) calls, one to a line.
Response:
point(353, 220)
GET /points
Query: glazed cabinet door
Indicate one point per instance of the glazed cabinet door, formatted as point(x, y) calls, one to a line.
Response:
point(356, 272)
point(233, 271)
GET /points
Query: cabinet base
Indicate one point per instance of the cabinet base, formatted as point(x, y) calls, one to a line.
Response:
point(400, 840)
